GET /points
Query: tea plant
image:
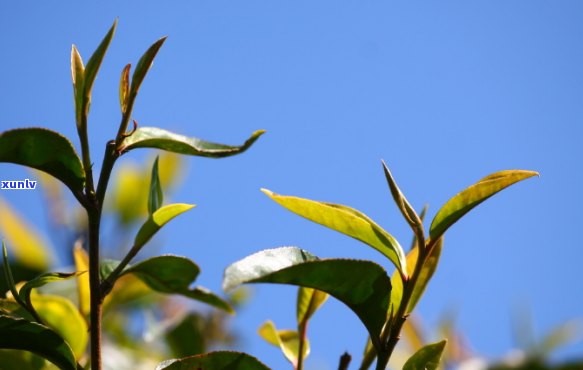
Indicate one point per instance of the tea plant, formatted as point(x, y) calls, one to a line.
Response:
point(381, 302)
point(24, 324)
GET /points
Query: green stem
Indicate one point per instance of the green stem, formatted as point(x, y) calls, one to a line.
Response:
point(125, 120)
point(109, 158)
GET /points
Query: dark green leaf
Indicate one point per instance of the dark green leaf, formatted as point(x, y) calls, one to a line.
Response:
point(220, 360)
point(152, 137)
point(94, 62)
point(24, 335)
point(348, 221)
point(362, 285)
point(174, 275)
point(187, 338)
point(463, 202)
point(144, 65)
point(427, 358)
point(124, 88)
point(406, 209)
point(155, 197)
point(158, 219)
point(44, 150)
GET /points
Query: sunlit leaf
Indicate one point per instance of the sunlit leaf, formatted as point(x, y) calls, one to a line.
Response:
point(157, 220)
point(39, 339)
point(287, 340)
point(173, 275)
point(62, 316)
point(403, 204)
point(220, 360)
point(347, 221)
point(309, 301)
point(463, 202)
point(26, 245)
point(362, 285)
point(128, 192)
point(124, 88)
point(82, 264)
point(144, 65)
point(425, 275)
point(427, 358)
point(155, 197)
point(78, 77)
point(44, 150)
point(152, 137)
point(94, 62)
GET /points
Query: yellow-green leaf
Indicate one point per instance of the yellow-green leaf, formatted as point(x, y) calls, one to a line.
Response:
point(82, 264)
point(26, 245)
point(144, 65)
point(78, 77)
point(62, 316)
point(155, 197)
point(427, 358)
point(287, 340)
point(158, 219)
point(348, 221)
point(309, 301)
point(124, 88)
point(463, 202)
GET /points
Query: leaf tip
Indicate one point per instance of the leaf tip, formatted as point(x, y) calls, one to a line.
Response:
point(267, 192)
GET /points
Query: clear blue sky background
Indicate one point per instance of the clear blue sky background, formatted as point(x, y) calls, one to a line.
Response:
point(445, 92)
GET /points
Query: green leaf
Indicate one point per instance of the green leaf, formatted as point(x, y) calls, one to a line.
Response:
point(78, 77)
point(366, 293)
point(348, 221)
point(124, 88)
point(8, 277)
point(44, 150)
point(427, 358)
point(94, 63)
point(144, 65)
point(463, 202)
point(42, 280)
point(158, 219)
point(24, 335)
point(155, 197)
point(309, 301)
point(188, 337)
point(27, 246)
point(220, 360)
point(406, 209)
point(287, 340)
point(174, 275)
point(64, 318)
point(152, 137)
point(425, 274)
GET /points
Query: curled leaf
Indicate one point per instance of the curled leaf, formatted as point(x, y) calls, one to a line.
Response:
point(287, 340)
point(152, 137)
point(427, 358)
point(157, 220)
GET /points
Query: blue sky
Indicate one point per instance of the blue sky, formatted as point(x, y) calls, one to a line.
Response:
point(445, 92)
